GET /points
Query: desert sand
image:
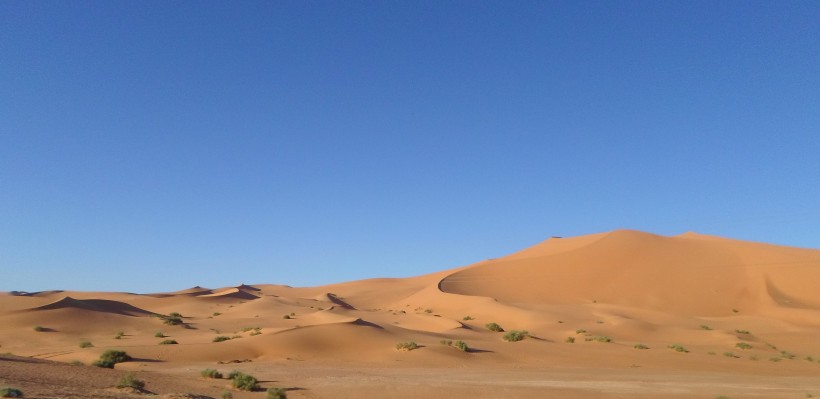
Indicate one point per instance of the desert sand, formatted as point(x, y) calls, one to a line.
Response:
point(744, 316)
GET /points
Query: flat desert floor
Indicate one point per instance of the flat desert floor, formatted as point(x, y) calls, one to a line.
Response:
point(623, 314)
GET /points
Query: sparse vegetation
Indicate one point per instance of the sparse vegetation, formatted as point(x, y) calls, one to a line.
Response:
point(808, 359)
point(494, 327)
point(407, 346)
point(428, 311)
point(570, 340)
point(226, 395)
point(221, 338)
point(216, 314)
point(468, 318)
point(8, 392)
point(599, 338)
point(169, 342)
point(287, 316)
point(39, 328)
point(129, 381)
point(787, 355)
point(515, 335)
point(640, 346)
point(160, 334)
point(678, 348)
point(580, 331)
point(705, 327)
point(277, 393)
point(743, 332)
point(730, 354)
point(111, 357)
point(460, 345)
point(173, 319)
point(743, 345)
point(86, 344)
point(244, 382)
point(119, 335)
point(211, 373)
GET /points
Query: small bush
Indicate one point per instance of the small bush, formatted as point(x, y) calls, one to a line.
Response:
point(39, 328)
point(730, 354)
point(640, 346)
point(169, 342)
point(129, 381)
point(744, 332)
point(8, 392)
point(678, 348)
point(787, 355)
point(226, 395)
point(467, 318)
point(221, 338)
point(599, 338)
point(216, 314)
point(743, 345)
point(462, 346)
point(211, 373)
point(160, 334)
point(446, 342)
point(244, 382)
point(86, 344)
point(111, 357)
point(515, 335)
point(570, 340)
point(119, 335)
point(705, 327)
point(175, 314)
point(580, 331)
point(494, 327)
point(277, 393)
point(286, 317)
point(407, 346)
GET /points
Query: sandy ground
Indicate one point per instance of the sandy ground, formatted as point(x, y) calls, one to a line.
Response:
point(747, 314)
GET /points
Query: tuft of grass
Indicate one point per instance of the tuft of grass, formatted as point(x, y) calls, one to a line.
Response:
point(428, 311)
point(743, 345)
point(9, 392)
point(730, 354)
point(244, 382)
point(462, 346)
point(808, 359)
point(599, 338)
point(39, 328)
point(407, 346)
point(787, 355)
point(494, 327)
point(743, 332)
point(221, 338)
point(640, 346)
point(467, 318)
point(226, 395)
point(86, 344)
point(277, 393)
point(515, 335)
point(705, 327)
point(216, 314)
point(169, 342)
point(211, 373)
point(160, 334)
point(580, 331)
point(119, 335)
point(111, 357)
point(129, 381)
point(570, 340)
point(678, 348)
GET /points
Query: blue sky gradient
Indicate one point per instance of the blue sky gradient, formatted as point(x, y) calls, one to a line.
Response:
point(149, 146)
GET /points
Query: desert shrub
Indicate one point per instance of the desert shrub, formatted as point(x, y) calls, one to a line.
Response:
point(570, 340)
point(467, 318)
point(226, 395)
point(640, 346)
point(256, 331)
point(743, 345)
point(599, 338)
point(446, 342)
point(111, 357)
point(494, 327)
point(211, 373)
point(129, 381)
point(705, 327)
point(787, 355)
point(678, 348)
point(172, 320)
point(580, 331)
point(221, 338)
point(809, 359)
point(277, 393)
point(515, 335)
point(286, 317)
point(216, 314)
point(462, 346)
point(39, 328)
point(175, 314)
point(730, 354)
point(244, 382)
point(160, 334)
point(407, 346)
point(744, 332)
point(169, 342)
point(86, 344)
point(8, 392)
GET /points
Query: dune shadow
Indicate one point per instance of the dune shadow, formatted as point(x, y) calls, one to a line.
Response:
point(360, 322)
point(145, 360)
point(473, 350)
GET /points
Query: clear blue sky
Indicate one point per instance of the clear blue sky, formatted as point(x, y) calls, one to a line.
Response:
point(154, 145)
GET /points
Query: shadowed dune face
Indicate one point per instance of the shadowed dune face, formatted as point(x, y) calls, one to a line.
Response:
point(94, 305)
point(689, 274)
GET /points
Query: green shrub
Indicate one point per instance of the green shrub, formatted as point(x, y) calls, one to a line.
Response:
point(467, 318)
point(640, 346)
point(129, 381)
point(39, 328)
point(226, 395)
point(678, 348)
point(730, 354)
point(216, 314)
point(221, 338)
point(8, 392)
point(169, 342)
point(580, 331)
point(175, 314)
point(744, 332)
point(462, 346)
point(160, 334)
point(743, 345)
point(244, 382)
point(515, 335)
point(111, 357)
point(86, 344)
point(211, 373)
point(494, 327)
point(407, 346)
point(570, 340)
point(787, 355)
point(277, 393)
point(599, 338)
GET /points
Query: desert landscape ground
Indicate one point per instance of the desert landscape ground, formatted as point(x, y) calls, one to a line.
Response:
point(622, 314)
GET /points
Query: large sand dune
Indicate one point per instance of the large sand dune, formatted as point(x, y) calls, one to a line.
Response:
point(748, 312)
